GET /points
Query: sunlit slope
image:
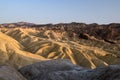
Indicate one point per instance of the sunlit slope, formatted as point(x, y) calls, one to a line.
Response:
point(11, 52)
point(52, 44)
point(83, 55)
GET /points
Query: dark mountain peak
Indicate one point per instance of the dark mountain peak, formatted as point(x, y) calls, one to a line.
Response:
point(25, 23)
point(18, 24)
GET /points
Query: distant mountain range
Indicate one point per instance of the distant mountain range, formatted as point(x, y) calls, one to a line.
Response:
point(19, 24)
point(106, 32)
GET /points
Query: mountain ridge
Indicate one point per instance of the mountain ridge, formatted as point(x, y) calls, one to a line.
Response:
point(108, 33)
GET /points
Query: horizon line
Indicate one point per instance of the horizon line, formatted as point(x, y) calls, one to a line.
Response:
point(59, 22)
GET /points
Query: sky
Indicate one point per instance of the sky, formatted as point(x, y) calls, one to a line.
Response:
point(60, 11)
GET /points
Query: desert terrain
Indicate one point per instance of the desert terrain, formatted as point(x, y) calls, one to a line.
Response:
point(34, 51)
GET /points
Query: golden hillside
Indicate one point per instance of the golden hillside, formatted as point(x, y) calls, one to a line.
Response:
point(12, 52)
point(22, 46)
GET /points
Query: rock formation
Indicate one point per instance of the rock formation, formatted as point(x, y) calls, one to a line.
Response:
point(9, 73)
point(64, 70)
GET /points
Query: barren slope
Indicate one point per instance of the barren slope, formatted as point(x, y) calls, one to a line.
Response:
point(12, 52)
point(55, 44)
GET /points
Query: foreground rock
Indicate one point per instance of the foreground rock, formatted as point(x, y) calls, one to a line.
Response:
point(65, 70)
point(9, 73)
point(103, 73)
point(42, 70)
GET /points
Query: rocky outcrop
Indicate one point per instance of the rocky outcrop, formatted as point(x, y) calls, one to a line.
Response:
point(59, 70)
point(65, 70)
point(42, 70)
point(102, 73)
point(9, 73)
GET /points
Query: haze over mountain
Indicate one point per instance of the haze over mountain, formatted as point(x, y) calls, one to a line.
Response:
point(86, 45)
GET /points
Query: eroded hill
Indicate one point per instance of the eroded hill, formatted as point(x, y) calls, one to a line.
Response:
point(86, 45)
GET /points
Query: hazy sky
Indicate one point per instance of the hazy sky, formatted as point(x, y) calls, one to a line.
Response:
point(58, 11)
